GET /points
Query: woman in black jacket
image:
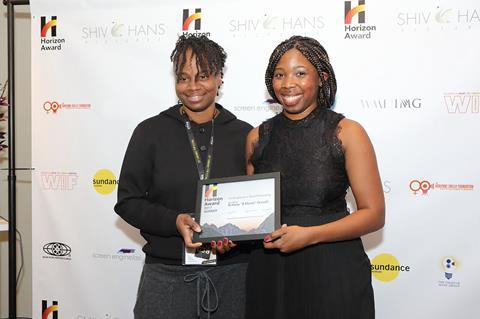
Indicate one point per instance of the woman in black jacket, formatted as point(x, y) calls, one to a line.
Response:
point(157, 191)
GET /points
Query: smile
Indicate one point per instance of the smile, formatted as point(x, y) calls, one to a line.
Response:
point(194, 98)
point(290, 100)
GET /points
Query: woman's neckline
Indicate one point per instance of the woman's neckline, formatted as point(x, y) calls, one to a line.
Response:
point(303, 121)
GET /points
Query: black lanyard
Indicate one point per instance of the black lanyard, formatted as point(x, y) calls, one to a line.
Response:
point(203, 171)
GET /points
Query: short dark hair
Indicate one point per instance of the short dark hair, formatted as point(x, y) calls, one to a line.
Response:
point(210, 55)
point(315, 53)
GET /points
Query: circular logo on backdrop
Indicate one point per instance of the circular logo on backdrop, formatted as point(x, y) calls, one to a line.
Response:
point(385, 267)
point(57, 249)
point(449, 265)
point(51, 106)
point(423, 186)
point(104, 181)
point(450, 279)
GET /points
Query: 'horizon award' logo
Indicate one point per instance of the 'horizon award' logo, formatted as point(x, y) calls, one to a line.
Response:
point(51, 42)
point(50, 25)
point(53, 309)
point(359, 31)
point(188, 19)
point(211, 191)
point(356, 11)
point(195, 19)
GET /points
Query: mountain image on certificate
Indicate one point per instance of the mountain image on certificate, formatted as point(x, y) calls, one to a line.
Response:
point(234, 229)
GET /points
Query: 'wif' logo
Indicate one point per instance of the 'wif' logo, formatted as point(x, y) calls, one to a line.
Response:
point(53, 309)
point(50, 25)
point(350, 13)
point(58, 181)
point(188, 19)
point(462, 103)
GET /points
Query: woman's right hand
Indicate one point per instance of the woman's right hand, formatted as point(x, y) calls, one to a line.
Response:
point(186, 225)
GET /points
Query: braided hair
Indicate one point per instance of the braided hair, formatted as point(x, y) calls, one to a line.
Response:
point(317, 56)
point(210, 57)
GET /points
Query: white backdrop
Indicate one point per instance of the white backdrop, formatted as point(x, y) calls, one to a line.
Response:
point(408, 71)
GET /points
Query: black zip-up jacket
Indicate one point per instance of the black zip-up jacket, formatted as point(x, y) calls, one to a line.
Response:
point(159, 178)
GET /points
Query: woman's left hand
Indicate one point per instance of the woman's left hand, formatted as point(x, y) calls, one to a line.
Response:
point(222, 246)
point(288, 239)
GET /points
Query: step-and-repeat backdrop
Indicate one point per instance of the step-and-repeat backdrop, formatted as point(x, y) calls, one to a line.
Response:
point(407, 70)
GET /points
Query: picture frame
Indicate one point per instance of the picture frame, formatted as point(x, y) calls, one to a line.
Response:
point(239, 208)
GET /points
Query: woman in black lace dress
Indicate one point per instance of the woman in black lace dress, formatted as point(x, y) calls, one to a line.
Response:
point(314, 266)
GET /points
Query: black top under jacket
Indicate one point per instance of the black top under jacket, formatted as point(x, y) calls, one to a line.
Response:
point(159, 178)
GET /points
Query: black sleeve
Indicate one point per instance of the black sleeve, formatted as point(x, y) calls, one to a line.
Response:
point(136, 178)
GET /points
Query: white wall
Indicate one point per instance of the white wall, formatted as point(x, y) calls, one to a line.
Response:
point(412, 82)
point(413, 60)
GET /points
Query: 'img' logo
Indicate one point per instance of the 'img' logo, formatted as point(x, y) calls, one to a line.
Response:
point(360, 30)
point(53, 309)
point(188, 19)
point(211, 191)
point(395, 104)
point(50, 25)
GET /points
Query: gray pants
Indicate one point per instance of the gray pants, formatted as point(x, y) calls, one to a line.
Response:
point(183, 292)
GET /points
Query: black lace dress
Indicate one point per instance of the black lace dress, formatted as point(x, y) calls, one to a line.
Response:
point(328, 280)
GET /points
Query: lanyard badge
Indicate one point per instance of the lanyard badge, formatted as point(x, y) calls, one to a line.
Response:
point(201, 256)
point(203, 170)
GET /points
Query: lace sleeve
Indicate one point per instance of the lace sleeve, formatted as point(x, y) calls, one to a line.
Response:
point(335, 129)
point(264, 131)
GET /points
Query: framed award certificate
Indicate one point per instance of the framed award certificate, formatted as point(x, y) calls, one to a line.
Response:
point(240, 208)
